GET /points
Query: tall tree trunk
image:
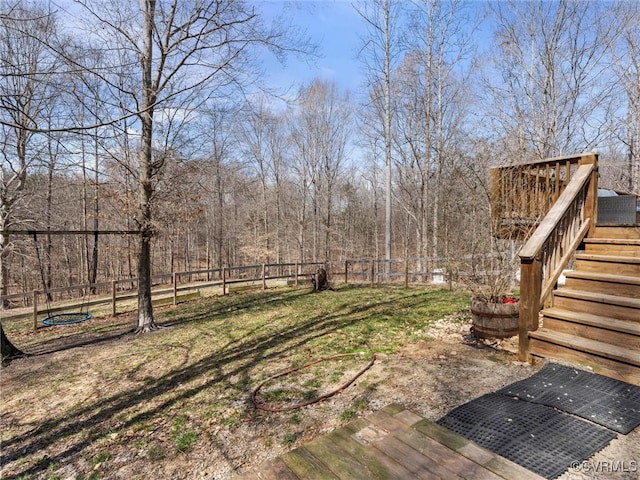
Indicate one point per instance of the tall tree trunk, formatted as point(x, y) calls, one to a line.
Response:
point(387, 135)
point(93, 262)
point(145, 308)
point(145, 192)
point(4, 268)
point(278, 223)
point(48, 215)
point(265, 215)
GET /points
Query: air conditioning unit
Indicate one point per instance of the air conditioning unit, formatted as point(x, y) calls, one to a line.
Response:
point(619, 210)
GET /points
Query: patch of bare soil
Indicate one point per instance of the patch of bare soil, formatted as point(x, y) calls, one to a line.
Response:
point(445, 369)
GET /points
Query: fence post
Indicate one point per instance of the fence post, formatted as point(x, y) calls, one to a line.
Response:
point(406, 273)
point(264, 280)
point(296, 274)
point(35, 310)
point(224, 280)
point(174, 280)
point(373, 273)
point(113, 297)
point(346, 272)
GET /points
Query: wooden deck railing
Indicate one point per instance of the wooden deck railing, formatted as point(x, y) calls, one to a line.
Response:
point(522, 194)
point(552, 245)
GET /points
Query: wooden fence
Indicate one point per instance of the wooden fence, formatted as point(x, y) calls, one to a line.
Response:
point(172, 288)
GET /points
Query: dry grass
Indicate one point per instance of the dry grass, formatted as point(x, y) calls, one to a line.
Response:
point(94, 398)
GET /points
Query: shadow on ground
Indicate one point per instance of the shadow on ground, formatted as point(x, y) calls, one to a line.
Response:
point(260, 345)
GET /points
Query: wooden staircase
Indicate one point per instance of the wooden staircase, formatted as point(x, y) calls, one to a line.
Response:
point(595, 317)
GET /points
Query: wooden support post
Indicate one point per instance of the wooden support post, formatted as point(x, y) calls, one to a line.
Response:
point(296, 274)
point(346, 272)
point(224, 280)
point(113, 297)
point(174, 281)
point(530, 290)
point(591, 202)
point(35, 310)
point(264, 279)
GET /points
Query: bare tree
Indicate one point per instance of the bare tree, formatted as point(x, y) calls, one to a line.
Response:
point(263, 141)
point(26, 65)
point(379, 54)
point(254, 132)
point(626, 65)
point(441, 39)
point(181, 47)
point(217, 178)
point(548, 86)
point(321, 136)
point(431, 105)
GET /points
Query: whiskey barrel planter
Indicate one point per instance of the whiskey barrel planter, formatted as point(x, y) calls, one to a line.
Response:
point(494, 320)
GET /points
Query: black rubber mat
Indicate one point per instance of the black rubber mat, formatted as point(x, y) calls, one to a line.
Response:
point(535, 436)
point(603, 400)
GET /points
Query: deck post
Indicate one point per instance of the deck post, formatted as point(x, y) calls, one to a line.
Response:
point(264, 279)
point(530, 290)
point(591, 201)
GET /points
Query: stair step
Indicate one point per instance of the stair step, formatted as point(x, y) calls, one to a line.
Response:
point(629, 232)
point(599, 298)
point(622, 363)
point(617, 332)
point(612, 306)
point(607, 283)
point(587, 345)
point(614, 264)
point(613, 241)
point(613, 246)
point(625, 326)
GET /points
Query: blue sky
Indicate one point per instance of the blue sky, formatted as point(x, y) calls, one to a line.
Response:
point(337, 29)
point(334, 26)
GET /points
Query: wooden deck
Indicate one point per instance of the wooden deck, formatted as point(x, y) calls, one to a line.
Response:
point(392, 443)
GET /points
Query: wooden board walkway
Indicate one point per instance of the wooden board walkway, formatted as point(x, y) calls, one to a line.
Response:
point(393, 443)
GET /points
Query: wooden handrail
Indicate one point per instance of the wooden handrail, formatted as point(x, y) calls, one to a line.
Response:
point(551, 247)
point(573, 159)
point(551, 221)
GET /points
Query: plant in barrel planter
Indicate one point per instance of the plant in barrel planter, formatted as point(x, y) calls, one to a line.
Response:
point(491, 271)
point(494, 309)
point(495, 319)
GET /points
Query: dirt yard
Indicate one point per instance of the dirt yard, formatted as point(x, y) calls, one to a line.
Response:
point(443, 368)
